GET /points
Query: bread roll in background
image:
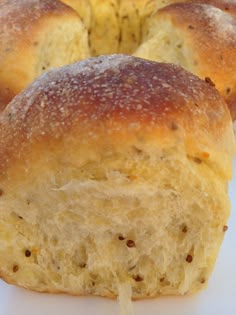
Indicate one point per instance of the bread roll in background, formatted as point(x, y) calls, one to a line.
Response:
point(200, 38)
point(133, 15)
point(36, 36)
point(115, 25)
point(113, 175)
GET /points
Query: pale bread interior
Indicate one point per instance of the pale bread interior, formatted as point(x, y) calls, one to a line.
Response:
point(64, 44)
point(149, 218)
point(165, 43)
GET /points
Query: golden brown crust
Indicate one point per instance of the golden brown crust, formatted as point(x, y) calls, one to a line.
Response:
point(229, 6)
point(21, 23)
point(18, 17)
point(210, 35)
point(116, 99)
point(209, 32)
point(6, 95)
point(225, 5)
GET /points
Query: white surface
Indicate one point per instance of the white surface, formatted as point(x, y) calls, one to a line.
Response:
point(218, 299)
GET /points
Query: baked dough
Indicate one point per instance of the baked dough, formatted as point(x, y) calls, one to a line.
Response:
point(37, 35)
point(200, 38)
point(113, 174)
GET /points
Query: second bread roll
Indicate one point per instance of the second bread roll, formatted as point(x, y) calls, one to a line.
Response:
point(201, 38)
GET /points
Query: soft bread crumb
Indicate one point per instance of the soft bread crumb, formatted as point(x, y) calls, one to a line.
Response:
point(124, 297)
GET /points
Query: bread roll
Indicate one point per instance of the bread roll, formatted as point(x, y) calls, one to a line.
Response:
point(200, 38)
point(34, 37)
point(113, 174)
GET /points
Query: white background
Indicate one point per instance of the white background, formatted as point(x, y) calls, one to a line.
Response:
point(218, 299)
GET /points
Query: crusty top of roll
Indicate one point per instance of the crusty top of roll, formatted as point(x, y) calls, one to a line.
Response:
point(20, 23)
point(214, 31)
point(210, 35)
point(116, 101)
point(18, 17)
point(228, 6)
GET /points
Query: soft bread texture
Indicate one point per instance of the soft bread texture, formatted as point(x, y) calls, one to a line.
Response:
point(36, 36)
point(83, 8)
point(113, 174)
point(199, 38)
point(116, 25)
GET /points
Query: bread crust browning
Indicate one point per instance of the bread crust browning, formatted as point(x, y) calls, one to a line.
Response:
point(210, 36)
point(115, 98)
point(208, 32)
point(23, 27)
point(229, 6)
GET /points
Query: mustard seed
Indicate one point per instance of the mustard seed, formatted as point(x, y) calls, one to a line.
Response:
point(27, 253)
point(130, 243)
point(189, 258)
point(225, 228)
point(138, 278)
point(121, 238)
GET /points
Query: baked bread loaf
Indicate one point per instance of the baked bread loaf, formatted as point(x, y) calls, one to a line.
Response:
point(113, 176)
point(36, 36)
point(55, 35)
point(200, 38)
